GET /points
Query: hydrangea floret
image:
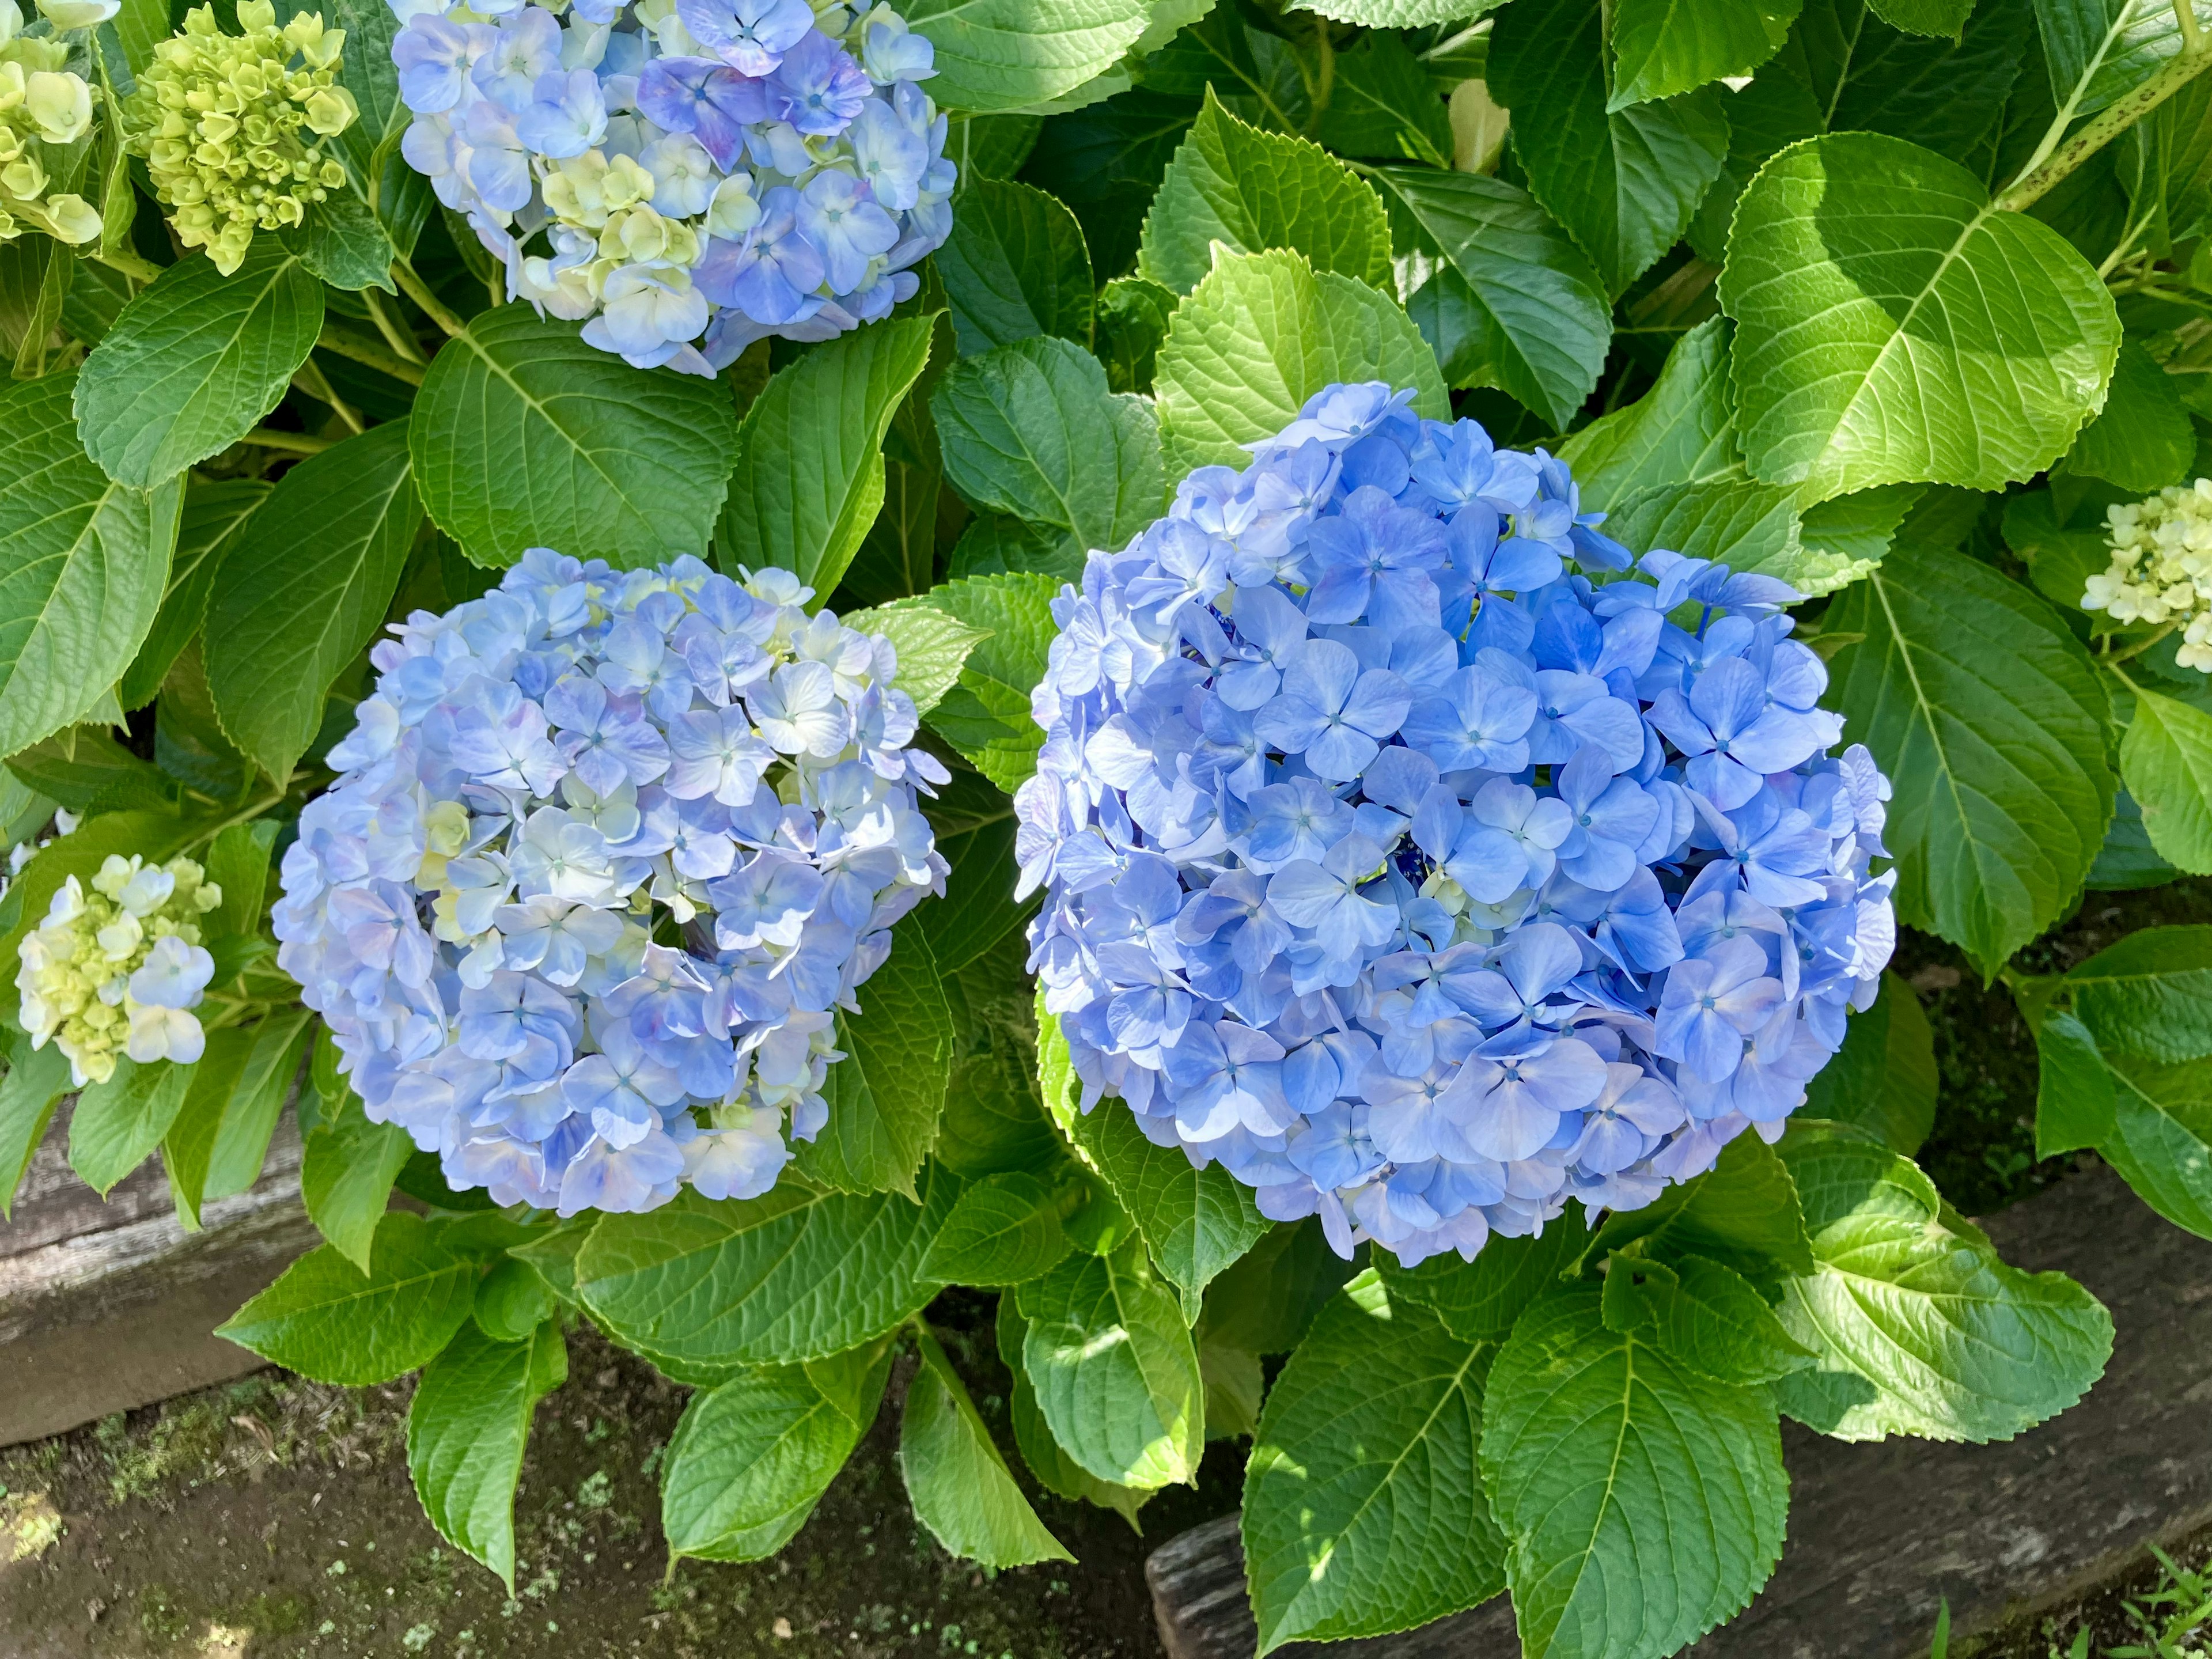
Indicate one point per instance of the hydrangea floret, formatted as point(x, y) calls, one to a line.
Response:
point(688, 175)
point(120, 968)
point(44, 102)
point(610, 850)
point(2162, 568)
point(1419, 854)
point(231, 125)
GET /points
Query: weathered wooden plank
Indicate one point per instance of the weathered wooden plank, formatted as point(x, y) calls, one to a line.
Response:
point(1880, 1534)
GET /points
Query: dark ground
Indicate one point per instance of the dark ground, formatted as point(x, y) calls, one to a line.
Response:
point(273, 1517)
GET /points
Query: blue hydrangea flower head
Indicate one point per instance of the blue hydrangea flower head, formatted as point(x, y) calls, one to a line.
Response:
point(1415, 850)
point(609, 851)
point(683, 176)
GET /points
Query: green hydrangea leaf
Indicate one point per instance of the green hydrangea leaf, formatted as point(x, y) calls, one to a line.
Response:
point(1497, 288)
point(791, 1276)
point(933, 646)
point(1363, 1511)
point(2149, 994)
point(347, 1167)
point(1264, 1302)
point(2142, 439)
point(2167, 760)
point(751, 1458)
point(214, 511)
point(1663, 47)
point(2161, 1135)
point(195, 361)
point(959, 1485)
point(1005, 1230)
point(37, 1079)
point(83, 565)
point(304, 587)
point(2099, 50)
point(1261, 334)
point(1015, 267)
point(1983, 711)
point(1055, 1471)
point(118, 1123)
point(885, 1095)
point(466, 1429)
point(1115, 1370)
point(1132, 322)
point(1008, 54)
point(1624, 182)
point(215, 1146)
point(1865, 273)
point(1923, 17)
point(1642, 1503)
point(1707, 1317)
point(810, 478)
point(1031, 430)
point(326, 1319)
point(2076, 1103)
point(512, 1301)
point(986, 716)
point(1252, 191)
point(1883, 1079)
point(1480, 1301)
point(1919, 1327)
point(524, 436)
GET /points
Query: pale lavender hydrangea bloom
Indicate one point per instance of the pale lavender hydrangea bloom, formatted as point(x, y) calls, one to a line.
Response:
point(550, 785)
point(684, 179)
point(1417, 852)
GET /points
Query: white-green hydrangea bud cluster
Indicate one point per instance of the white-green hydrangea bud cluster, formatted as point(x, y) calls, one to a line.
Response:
point(41, 102)
point(2161, 569)
point(119, 969)
point(228, 126)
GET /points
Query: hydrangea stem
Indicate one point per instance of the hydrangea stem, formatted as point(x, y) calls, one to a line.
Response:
point(2194, 56)
point(360, 349)
point(292, 443)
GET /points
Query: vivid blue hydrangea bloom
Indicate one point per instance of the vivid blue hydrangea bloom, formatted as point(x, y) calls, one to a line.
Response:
point(609, 850)
point(688, 175)
point(1410, 853)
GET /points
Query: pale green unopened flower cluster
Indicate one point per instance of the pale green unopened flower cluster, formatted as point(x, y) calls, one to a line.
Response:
point(2161, 569)
point(229, 124)
point(118, 970)
point(40, 102)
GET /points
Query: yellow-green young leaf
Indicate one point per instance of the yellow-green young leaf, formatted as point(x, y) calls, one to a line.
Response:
point(326, 1319)
point(1006, 1228)
point(2149, 994)
point(117, 1124)
point(1252, 191)
point(751, 1458)
point(36, 1081)
point(932, 646)
point(1015, 267)
point(1260, 335)
point(1866, 274)
point(986, 715)
point(957, 1482)
point(1883, 1079)
point(1985, 712)
point(215, 1147)
point(810, 471)
point(1055, 1471)
point(1611, 1467)
point(512, 1300)
point(1362, 1509)
point(888, 1092)
point(213, 511)
point(1008, 54)
point(2142, 439)
point(83, 564)
point(1115, 1370)
point(792, 1275)
point(1029, 429)
point(1706, 1315)
point(1402, 14)
point(1919, 1328)
point(1497, 288)
point(195, 361)
point(1663, 47)
point(524, 436)
point(2166, 760)
point(1624, 182)
point(2075, 1103)
point(303, 587)
point(347, 1167)
point(467, 1429)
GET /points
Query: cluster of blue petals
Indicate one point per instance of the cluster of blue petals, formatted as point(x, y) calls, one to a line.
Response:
point(1426, 858)
point(690, 175)
point(609, 850)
